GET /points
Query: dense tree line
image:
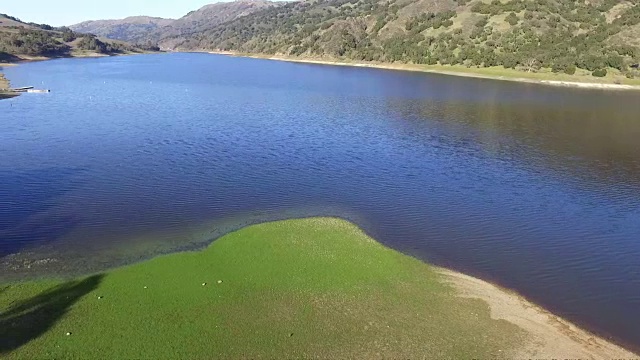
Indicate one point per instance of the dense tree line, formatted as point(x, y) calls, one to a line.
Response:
point(92, 43)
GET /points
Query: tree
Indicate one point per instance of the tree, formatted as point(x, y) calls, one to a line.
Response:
point(570, 69)
point(509, 61)
point(615, 61)
point(512, 19)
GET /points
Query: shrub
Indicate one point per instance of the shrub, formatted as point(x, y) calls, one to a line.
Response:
point(571, 69)
point(599, 73)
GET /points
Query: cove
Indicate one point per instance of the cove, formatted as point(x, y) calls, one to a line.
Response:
point(531, 187)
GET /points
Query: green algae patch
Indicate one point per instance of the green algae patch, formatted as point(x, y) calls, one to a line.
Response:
point(316, 287)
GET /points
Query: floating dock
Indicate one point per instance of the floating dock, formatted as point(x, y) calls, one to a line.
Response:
point(21, 89)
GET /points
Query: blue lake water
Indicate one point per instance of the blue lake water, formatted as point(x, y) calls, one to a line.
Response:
point(535, 188)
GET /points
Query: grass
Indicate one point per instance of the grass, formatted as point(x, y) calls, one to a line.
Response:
point(315, 287)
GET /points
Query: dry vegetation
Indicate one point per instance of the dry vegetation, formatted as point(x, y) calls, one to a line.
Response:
point(142, 29)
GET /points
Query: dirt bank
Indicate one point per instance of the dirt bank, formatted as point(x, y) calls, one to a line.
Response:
point(549, 336)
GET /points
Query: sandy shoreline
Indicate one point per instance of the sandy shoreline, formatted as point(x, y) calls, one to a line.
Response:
point(550, 336)
point(443, 71)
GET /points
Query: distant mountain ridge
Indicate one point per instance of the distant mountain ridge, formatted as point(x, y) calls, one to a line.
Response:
point(144, 29)
point(128, 29)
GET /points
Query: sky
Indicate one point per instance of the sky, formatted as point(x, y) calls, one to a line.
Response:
point(69, 12)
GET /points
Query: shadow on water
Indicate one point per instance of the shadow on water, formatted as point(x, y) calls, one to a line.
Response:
point(30, 192)
point(29, 319)
point(28, 195)
point(35, 233)
point(7, 95)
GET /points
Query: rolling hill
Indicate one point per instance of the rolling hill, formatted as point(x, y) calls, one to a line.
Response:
point(141, 29)
point(20, 40)
point(128, 29)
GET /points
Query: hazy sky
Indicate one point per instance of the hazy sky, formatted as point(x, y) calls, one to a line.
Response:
point(68, 12)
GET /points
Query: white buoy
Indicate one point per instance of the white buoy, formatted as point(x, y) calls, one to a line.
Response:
point(68, 334)
point(219, 281)
point(203, 284)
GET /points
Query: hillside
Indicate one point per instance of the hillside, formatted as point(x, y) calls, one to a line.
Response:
point(20, 40)
point(129, 29)
point(564, 36)
point(146, 29)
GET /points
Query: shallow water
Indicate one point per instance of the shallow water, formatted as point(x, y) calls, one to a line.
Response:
point(536, 188)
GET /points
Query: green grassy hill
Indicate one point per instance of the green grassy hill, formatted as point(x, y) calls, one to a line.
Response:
point(563, 36)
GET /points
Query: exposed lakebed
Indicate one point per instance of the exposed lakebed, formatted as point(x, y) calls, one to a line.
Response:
point(535, 188)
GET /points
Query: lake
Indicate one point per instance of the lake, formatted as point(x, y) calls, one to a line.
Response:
point(535, 188)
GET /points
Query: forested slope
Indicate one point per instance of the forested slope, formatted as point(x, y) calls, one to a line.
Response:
point(562, 35)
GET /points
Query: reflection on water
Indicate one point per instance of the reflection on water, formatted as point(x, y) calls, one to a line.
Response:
point(533, 187)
